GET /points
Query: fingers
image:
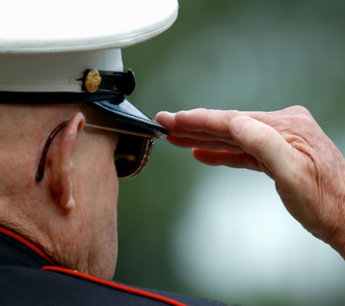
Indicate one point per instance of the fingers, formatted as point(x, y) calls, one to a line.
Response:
point(168, 121)
point(199, 128)
point(259, 147)
point(203, 123)
point(232, 132)
point(226, 158)
point(197, 122)
point(211, 143)
point(266, 145)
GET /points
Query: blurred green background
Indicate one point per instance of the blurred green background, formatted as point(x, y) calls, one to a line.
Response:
point(223, 233)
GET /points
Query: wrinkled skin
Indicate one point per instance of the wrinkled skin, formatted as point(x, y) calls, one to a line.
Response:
point(288, 145)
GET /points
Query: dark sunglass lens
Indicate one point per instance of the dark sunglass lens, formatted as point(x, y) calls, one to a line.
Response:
point(131, 154)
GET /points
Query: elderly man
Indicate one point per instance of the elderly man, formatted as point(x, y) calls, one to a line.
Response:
point(67, 134)
point(63, 114)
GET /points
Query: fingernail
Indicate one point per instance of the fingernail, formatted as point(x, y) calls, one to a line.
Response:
point(165, 118)
point(165, 113)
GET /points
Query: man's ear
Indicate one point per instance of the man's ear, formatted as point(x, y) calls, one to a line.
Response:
point(60, 163)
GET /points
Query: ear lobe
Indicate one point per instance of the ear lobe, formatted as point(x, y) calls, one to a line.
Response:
point(61, 166)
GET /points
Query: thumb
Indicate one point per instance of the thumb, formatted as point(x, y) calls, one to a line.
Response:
point(266, 145)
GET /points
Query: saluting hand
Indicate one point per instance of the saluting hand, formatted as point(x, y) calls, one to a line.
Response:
point(288, 145)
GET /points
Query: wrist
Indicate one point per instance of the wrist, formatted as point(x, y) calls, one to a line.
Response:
point(337, 239)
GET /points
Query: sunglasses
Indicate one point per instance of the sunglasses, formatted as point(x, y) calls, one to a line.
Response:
point(130, 157)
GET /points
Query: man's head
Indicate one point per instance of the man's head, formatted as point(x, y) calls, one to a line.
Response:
point(63, 114)
point(71, 212)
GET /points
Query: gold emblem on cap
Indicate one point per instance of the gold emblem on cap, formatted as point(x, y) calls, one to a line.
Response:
point(92, 80)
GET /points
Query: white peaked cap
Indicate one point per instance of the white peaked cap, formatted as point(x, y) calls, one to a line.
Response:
point(45, 46)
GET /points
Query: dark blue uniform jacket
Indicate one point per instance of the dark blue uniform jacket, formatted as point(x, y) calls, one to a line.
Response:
point(29, 277)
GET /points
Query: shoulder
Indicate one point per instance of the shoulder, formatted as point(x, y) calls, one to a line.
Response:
point(30, 286)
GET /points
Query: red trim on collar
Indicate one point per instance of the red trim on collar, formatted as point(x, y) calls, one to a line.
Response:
point(28, 243)
point(121, 287)
point(113, 285)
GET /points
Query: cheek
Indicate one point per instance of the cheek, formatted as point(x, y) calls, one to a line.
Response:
point(97, 187)
point(104, 177)
point(110, 220)
point(109, 195)
point(111, 182)
point(105, 199)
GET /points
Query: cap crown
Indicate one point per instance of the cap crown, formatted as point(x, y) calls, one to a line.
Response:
point(38, 26)
point(45, 46)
